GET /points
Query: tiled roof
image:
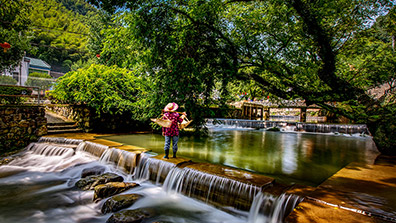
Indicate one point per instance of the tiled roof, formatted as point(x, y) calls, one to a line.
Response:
point(38, 63)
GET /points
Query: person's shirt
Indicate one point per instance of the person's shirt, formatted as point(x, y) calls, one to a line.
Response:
point(173, 130)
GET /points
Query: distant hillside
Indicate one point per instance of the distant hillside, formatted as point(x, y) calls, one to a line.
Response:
point(77, 6)
point(59, 31)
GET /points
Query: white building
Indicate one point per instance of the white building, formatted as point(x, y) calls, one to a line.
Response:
point(28, 65)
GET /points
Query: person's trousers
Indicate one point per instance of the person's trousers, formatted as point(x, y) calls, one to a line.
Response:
point(168, 140)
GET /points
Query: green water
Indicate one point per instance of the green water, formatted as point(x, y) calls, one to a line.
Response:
point(307, 159)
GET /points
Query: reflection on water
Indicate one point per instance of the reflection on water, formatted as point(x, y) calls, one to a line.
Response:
point(289, 157)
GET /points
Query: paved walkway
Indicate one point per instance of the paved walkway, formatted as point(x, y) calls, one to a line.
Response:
point(54, 118)
point(356, 193)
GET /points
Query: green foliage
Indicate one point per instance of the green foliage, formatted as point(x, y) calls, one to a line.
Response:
point(59, 35)
point(7, 80)
point(320, 51)
point(105, 89)
point(13, 23)
point(77, 6)
point(14, 91)
point(42, 80)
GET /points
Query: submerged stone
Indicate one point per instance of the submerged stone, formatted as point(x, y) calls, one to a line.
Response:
point(92, 171)
point(89, 183)
point(119, 202)
point(274, 129)
point(130, 216)
point(109, 189)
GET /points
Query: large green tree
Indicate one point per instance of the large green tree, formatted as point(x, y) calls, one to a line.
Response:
point(13, 24)
point(326, 52)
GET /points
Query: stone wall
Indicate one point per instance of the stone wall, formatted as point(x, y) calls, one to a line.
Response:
point(89, 121)
point(20, 125)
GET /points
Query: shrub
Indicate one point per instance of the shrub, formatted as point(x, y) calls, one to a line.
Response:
point(41, 80)
point(7, 80)
point(13, 90)
point(111, 90)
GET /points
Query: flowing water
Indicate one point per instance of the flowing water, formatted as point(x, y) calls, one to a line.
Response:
point(289, 157)
point(38, 186)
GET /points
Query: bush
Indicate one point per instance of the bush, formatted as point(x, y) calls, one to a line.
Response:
point(7, 80)
point(13, 90)
point(41, 80)
point(107, 90)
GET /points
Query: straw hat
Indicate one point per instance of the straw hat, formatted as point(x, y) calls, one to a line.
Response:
point(171, 107)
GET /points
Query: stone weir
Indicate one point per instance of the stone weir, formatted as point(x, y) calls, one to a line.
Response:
point(215, 184)
point(291, 126)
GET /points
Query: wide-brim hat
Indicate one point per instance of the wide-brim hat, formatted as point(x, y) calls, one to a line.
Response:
point(171, 107)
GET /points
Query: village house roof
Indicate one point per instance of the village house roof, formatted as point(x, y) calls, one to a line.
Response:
point(38, 64)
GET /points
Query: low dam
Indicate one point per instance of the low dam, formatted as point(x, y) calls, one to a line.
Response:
point(52, 166)
point(293, 126)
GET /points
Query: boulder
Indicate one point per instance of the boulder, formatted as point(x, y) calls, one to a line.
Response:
point(96, 170)
point(130, 216)
point(89, 183)
point(119, 202)
point(112, 188)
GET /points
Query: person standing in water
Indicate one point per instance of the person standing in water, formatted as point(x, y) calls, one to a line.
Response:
point(172, 133)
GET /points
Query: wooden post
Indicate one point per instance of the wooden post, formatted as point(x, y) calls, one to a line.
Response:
point(266, 114)
point(303, 114)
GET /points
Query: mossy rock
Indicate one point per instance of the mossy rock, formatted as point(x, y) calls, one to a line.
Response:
point(131, 216)
point(112, 188)
point(90, 182)
point(274, 129)
point(119, 202)
point(96, 170)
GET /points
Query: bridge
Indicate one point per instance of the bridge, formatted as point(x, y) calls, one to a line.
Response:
point(255, 110)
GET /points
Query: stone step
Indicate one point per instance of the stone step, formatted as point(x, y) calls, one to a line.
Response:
point(60, 123)
point(58, 131)
point(56, 127)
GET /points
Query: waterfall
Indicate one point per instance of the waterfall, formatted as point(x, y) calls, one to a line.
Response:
point(208, 187)
point(151, 169)
point(49, 150)
point(124, 160)
point(267, 208)
point(192, 182)
point(59, 140)
point(298, 126)
point(92, 148)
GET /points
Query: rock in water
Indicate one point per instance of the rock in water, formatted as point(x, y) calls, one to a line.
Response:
point(96, 170)
point(130, 216)
point(119, 202)
point(89, 183)
point(109, 189)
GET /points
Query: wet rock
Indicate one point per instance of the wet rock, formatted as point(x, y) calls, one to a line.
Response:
point(90, 182)
point(112, 188)
point(274, 129)
point(119, 202)
point(130, 216)
point(96, 170)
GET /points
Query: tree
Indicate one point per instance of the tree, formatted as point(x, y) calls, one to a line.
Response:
point(105, 89)
point(325, 52)
point(13, 24)
point(57, 33)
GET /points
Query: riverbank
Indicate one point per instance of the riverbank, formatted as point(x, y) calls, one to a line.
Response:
point(356, 193)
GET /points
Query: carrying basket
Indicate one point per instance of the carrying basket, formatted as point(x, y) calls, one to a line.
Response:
point(162, 122)
point(185, 123)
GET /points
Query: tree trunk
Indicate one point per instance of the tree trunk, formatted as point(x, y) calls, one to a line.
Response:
point(384, 134)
